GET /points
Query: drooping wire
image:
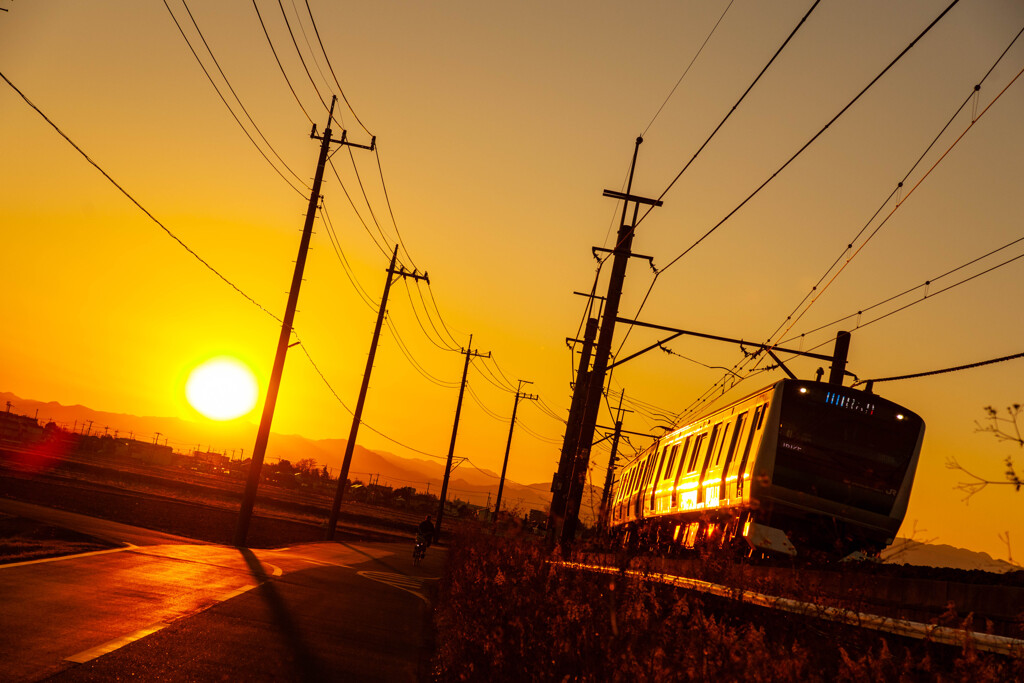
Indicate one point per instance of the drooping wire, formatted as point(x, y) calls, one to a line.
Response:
point(403, 347)
point(383, 249)
point(486, 373)
point(391, 211)
point(341, 90)
point(440, 318)
point(312, 52)
point(237, 99)
point(490, 413)
point(790, 160)
point(412, 305)
point(302, 60)
point(279, 65)
point(136, 202)
point(362, 423)
point(688, 67)
point(820, 290)
point(346, 266)
point(809, 142)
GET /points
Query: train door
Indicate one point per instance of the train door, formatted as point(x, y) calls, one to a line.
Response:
point(706, 460)
point(729, 455)
point(680, 470)
point(756, 421)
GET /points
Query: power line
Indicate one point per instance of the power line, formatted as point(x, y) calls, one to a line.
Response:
point(813, 138)
point(349, 410)
point(441, 345)
point(278, 60)
point(387, 199)
point(345, 265)
point(687, 69)
point(235, 95)
point(412, 360)
point(137, 204)
point(366, 227)
point(298, 52)
point(341, 90)
point(929, 373)
point(440, 318)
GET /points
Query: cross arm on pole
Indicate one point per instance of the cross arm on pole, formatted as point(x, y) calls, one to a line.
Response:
point(730, 340)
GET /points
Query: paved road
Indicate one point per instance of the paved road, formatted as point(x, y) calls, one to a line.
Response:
point(165, 608)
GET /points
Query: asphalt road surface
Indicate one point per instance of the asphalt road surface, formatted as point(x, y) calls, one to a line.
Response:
point(163, 608)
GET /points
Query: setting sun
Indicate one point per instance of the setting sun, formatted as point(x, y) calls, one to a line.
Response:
point(222, 388)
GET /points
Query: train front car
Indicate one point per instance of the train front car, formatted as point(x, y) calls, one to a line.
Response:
point(836, 474)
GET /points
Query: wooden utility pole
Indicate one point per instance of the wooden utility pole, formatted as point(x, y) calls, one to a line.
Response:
point(269, 403)
point(455, 430)
point(609, 478)
point(357, 416)
point(570, 443)
point(508, 445)
point(595, 386)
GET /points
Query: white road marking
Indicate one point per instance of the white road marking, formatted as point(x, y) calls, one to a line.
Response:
point(127, 546)
point(112, 645)
point(410, 584)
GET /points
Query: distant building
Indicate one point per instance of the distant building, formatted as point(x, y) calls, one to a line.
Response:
point(19, 429)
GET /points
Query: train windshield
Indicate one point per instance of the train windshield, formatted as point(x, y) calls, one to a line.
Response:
point(844, 445)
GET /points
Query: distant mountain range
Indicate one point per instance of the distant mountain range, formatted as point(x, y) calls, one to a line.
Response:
point(424, 474)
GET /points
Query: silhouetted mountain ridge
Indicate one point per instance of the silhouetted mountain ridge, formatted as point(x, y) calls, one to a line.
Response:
point(236, 439)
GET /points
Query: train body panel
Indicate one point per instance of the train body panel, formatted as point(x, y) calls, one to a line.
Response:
point(827, 467)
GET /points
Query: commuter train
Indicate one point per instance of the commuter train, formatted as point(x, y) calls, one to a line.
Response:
point(799, 467)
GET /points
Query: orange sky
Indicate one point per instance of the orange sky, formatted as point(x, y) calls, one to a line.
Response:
point(498, 128)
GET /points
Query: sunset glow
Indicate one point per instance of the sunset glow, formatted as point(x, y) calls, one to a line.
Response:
point(222, 389)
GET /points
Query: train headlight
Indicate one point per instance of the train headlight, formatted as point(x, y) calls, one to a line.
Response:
point(803, 390)
point(899, 416)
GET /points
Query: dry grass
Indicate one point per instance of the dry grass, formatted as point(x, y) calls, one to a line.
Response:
point(22, 540)
point(505, 613)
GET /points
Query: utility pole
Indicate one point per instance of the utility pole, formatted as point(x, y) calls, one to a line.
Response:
point(602, 516)
point(469, 353)
point(570, 443)
point(595, 386)
point(508, 445)
point(357, 416)
point(269, 403)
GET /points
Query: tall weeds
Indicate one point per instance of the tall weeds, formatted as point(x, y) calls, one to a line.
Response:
point(505, 613)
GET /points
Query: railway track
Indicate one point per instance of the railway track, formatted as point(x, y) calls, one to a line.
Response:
point(936, 610)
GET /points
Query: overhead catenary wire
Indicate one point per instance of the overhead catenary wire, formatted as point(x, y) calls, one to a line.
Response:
point(929, 373)
point(688, 67)
point(137, 203)
point(788, 162)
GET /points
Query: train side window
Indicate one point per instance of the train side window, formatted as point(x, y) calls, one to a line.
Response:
point(721, 442)
point(735, 437)
point(682, 456)
point(763, 408)
point(696, 451)
point(671, 461)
